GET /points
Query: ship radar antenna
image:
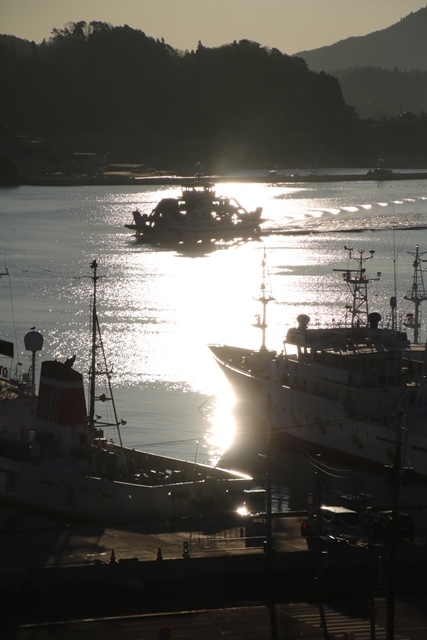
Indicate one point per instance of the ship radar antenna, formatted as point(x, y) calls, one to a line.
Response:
point(264, 298)
point(358, 283)
point(416, 295)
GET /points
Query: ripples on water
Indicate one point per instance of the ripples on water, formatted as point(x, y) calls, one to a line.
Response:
point(160, 306)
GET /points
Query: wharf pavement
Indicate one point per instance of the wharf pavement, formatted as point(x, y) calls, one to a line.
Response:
point(191, 565)
point(90, 544)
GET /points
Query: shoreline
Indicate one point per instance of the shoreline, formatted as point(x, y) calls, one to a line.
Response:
point(130, 179)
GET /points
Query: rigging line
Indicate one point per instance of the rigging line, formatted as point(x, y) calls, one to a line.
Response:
point(320, 462)
point(157, 444)
point(36, 271)
point(327, 469)
point(395, 252)
point(213, 396)
point(11, 304)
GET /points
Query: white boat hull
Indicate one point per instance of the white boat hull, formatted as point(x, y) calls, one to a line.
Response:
point(197, 215)
point(184, 232)
point(76, 497)
point(53, 461)
point(322, 420)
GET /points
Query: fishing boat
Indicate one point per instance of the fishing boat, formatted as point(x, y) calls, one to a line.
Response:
point(197, 214)
point(381, 171)
point(55, 460)
point(355, 392)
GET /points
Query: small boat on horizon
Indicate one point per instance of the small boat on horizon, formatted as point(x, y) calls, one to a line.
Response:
point(55, 459)
point(198, 214)
point(381, 171)
point(354, 391)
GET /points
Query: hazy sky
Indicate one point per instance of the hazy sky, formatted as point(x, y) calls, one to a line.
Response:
point(288, 25)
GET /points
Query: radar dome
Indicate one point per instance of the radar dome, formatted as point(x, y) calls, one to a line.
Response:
point(33, 341)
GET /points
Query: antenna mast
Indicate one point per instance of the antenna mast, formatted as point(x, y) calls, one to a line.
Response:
point(416, 295)
point(264, 297)
point(358, 282)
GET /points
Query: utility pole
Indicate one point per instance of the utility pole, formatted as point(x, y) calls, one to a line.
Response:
point(269, 545)
point(395, 486)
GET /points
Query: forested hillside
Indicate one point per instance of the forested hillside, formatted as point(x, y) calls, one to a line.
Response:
point(401, 46)
point(382, 74)
point(380, 93)
point(123, 95)
point(138, 98)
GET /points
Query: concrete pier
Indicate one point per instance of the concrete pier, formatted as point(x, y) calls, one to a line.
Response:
point(189, 565)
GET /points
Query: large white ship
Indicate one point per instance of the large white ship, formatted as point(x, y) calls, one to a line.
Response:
point(356, 392)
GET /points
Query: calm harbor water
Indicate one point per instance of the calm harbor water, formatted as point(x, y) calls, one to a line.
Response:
point(160, 307)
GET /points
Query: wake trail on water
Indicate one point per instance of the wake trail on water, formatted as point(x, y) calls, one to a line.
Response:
point(289, 231)
point(350, 218)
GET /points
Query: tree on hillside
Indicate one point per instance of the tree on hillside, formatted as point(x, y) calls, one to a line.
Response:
point(117, 82)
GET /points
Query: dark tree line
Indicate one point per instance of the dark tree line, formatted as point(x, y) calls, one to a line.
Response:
point(141, 99)
point(381, 93)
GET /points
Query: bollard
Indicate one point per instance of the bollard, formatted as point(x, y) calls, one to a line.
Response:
point(159, 554)
point(112, 557)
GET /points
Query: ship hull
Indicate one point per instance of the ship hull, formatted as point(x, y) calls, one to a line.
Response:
point(188, 232)
point(53, 489)
point(319, 421)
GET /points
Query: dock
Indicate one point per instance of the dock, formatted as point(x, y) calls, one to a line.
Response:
point(190, 565)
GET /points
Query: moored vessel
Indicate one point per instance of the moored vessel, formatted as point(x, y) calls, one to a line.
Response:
point(55, 460)
point(355, 391)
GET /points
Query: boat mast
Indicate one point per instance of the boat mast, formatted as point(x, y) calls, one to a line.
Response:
point(96, 339)
point(393, 299)
point(264, 297)
point(358, 282)
point(92, 369)
point(416, 295)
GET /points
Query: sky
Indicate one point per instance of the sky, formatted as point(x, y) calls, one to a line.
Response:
point(288, 25)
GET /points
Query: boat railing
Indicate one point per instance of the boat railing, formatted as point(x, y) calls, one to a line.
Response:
point(19, 384)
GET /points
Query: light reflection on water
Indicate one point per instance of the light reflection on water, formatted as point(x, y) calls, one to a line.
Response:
point(160, 307)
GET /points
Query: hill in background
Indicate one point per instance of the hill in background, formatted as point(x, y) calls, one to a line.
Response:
point(402, 46)
point(382, 74)
point(116, 91)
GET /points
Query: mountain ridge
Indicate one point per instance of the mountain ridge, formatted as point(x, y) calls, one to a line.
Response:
point(401, 46)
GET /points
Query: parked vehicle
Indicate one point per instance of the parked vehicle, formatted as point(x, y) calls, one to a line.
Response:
point(382, 527)
point(337, 522)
